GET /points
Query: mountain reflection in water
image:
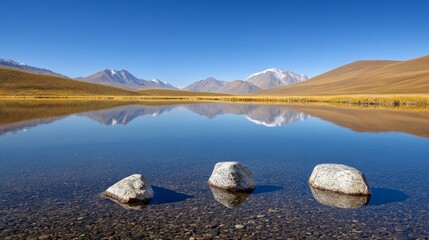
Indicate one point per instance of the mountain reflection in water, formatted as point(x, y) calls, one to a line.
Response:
point(124, 115)
point(18, 118)
point(260, 114)
point(269, 116)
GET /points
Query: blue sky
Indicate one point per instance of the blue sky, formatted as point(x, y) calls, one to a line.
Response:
point(184, 41)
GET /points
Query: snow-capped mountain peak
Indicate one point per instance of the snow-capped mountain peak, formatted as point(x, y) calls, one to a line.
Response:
point(274, 77)
point(273, 70)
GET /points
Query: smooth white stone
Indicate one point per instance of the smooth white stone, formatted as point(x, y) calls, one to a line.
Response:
point(232, 176)
point(132, 189)
point(339, 178)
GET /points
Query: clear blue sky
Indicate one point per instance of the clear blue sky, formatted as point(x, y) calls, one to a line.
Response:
point(182, 41)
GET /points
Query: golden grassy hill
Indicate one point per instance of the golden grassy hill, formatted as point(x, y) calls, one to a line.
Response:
point(17, 83)
point(365, 77)
point(179, 93)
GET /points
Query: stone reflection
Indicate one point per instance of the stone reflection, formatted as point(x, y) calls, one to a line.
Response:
point(129, 206)
point(227, 198)
point(339, 200)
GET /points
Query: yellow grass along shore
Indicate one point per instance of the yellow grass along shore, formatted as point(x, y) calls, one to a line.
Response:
point(382, 100)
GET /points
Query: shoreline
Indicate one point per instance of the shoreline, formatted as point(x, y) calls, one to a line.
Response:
point(391, 100)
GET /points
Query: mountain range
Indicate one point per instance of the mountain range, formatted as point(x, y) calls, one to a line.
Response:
point(124, 79)
point(256, 82)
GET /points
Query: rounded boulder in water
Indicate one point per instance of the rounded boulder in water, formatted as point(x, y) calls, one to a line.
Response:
point(232, 176)
point(339, 178)
point(131, 190)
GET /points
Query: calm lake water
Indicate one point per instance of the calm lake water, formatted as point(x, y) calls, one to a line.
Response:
point(53, 168)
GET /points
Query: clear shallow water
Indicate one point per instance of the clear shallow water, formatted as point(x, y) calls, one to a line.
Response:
point(52, 171)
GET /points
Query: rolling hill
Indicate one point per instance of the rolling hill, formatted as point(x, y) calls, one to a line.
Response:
point(365, 77)
point(18, 83)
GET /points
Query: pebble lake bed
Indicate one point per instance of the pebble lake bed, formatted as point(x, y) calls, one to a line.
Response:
point(53, 173)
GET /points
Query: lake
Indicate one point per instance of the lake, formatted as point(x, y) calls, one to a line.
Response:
point(57, 158)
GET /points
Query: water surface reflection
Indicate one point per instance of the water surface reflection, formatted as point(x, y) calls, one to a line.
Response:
point(51, 175)
point(23, 116)
point(339, 200)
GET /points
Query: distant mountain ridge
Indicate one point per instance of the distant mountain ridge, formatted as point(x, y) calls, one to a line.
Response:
point(269, 78)
point(210, 84)
point(11, 64)
point(239, 87)
point(124, 79)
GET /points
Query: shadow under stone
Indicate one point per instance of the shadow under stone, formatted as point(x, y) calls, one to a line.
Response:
point(164, 195)
point(382, 196)
point(266, 188)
